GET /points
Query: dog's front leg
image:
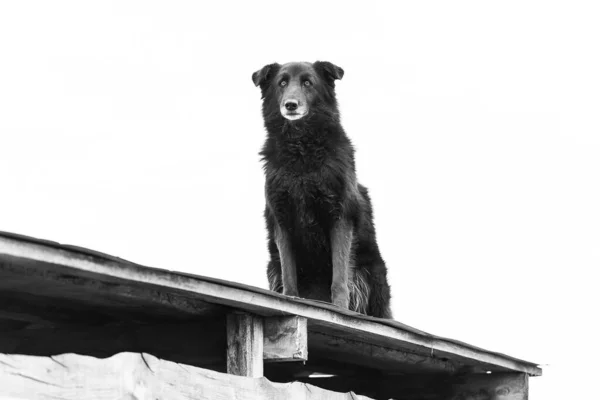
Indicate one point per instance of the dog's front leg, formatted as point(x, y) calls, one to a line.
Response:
point(288, 263)
point(341, 243)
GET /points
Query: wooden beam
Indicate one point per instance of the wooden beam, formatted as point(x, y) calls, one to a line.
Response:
point(497, 386)
point(374, 356)
point(60, 264)
point(245, 344)
point(285, 339)
point(138, 376)
point(201, 343)
point(20, 280)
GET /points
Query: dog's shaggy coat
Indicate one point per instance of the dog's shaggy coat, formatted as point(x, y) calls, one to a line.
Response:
point(321, 236)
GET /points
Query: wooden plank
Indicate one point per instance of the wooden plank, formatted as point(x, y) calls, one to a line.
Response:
point(497, 386)
point(199, 343)
point(19, 280)
point(285, 339)
point(380, 358)
point(245, 344)
point(138, 376)
point(55, 264)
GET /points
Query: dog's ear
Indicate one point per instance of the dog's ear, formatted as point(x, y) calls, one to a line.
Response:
point(264, 74)
point(328, 71)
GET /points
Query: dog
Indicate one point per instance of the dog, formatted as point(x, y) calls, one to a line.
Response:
point(321, 236)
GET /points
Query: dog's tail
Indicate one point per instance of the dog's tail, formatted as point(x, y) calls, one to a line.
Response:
point(379, 296)
point(370, 294)
point(360, 290)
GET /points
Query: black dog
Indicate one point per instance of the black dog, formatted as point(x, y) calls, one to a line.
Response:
point(319, 219)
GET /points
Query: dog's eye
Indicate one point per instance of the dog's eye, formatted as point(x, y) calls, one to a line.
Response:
point(307, 83)
point(282, 83)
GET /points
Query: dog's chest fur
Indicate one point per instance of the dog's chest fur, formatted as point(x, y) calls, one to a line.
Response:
point(303, 201)
point(303, 188)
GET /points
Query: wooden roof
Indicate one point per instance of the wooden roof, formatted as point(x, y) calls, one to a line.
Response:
point(59, 299)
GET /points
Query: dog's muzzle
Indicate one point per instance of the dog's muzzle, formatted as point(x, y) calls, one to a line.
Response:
point(292, 109)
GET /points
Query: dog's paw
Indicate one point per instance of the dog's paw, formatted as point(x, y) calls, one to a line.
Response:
point(291, 293)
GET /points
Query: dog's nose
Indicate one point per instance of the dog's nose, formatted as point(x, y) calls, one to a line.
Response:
point(291, 105)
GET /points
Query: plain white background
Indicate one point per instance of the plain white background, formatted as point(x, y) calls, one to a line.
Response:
point(133, 128)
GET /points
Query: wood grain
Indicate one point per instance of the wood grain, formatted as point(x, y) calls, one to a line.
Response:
point(495, 386)
point(285, 339)
point(245, 344)
point(382, 358)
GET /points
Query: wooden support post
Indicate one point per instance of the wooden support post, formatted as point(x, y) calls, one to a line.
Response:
point(245, 345)
point(497, 386)
point(285, 339)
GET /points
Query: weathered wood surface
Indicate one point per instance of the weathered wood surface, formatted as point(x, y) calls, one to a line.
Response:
point(140, 377)
point(123, 289)
point(245, 345)
point(285, 339)
point(375, 356)
point(498, 386)
point(198, 343)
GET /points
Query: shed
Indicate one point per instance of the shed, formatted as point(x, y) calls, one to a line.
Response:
point(79, 324)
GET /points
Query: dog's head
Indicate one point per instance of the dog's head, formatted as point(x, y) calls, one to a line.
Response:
point(298, 89)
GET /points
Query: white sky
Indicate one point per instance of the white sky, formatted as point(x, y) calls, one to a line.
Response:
point(133, 128)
